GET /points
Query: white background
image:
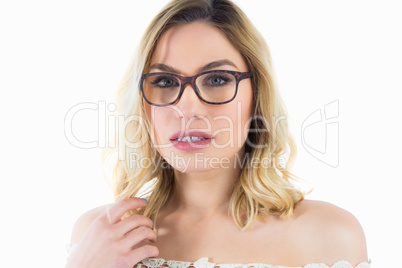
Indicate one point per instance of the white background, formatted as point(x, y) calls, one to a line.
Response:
point(56, 54)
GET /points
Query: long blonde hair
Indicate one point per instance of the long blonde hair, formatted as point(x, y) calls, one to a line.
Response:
point(258, 191)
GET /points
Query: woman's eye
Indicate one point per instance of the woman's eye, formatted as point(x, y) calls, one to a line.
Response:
point(217, 80)
point(164, 82)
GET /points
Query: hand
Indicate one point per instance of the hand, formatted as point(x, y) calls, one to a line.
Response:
point(110, 242)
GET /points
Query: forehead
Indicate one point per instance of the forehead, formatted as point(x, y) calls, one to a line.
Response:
point(191, 46)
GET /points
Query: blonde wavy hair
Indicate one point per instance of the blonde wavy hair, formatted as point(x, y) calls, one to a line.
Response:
point(259, 191)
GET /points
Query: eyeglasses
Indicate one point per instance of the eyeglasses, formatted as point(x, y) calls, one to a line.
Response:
point(213, 87)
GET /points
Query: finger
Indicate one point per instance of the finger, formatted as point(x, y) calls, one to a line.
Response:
point(138, 254)
point(121, 207)
point(132, 222)
point(137, 235)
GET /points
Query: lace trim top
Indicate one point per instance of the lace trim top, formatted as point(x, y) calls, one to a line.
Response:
point(204, 263)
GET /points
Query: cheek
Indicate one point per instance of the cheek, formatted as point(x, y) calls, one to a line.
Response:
point(158, 119)
point(233, 124)
point(246, 110)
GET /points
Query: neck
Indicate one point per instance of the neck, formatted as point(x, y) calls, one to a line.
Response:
point(203, 194)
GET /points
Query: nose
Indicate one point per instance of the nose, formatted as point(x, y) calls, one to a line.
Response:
point(189, 103)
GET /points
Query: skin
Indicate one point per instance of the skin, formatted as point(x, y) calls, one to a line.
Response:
point(202, 44)
point(195, 223)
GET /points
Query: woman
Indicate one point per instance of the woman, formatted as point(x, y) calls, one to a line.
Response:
point(203, 117)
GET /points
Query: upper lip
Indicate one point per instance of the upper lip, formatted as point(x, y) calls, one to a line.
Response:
point(191, 134)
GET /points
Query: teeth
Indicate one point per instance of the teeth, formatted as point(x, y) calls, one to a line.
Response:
point(197, 138)
point(188, 139)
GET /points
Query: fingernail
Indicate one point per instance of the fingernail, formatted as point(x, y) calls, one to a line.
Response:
point(146, 201)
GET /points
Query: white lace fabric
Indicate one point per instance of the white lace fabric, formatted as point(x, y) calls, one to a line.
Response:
point(204, 263)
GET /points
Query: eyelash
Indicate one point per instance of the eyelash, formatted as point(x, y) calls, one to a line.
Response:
point(226, 79)
point(159, 79)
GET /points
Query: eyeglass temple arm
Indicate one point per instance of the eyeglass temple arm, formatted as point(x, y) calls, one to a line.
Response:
point(245, 75)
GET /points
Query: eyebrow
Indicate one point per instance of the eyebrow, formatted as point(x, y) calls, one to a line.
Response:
point(211, 65)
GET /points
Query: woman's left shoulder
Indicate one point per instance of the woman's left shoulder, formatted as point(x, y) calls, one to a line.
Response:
point(310, 210)
point(332, 232)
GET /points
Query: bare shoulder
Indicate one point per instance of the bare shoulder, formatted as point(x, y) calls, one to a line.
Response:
point(83, 222)
point(329, 233)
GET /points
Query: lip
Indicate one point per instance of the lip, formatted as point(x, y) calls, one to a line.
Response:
point(190, 133)
point(192, 145)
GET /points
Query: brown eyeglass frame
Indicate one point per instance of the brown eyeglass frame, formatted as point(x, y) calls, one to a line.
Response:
point(191, 80)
